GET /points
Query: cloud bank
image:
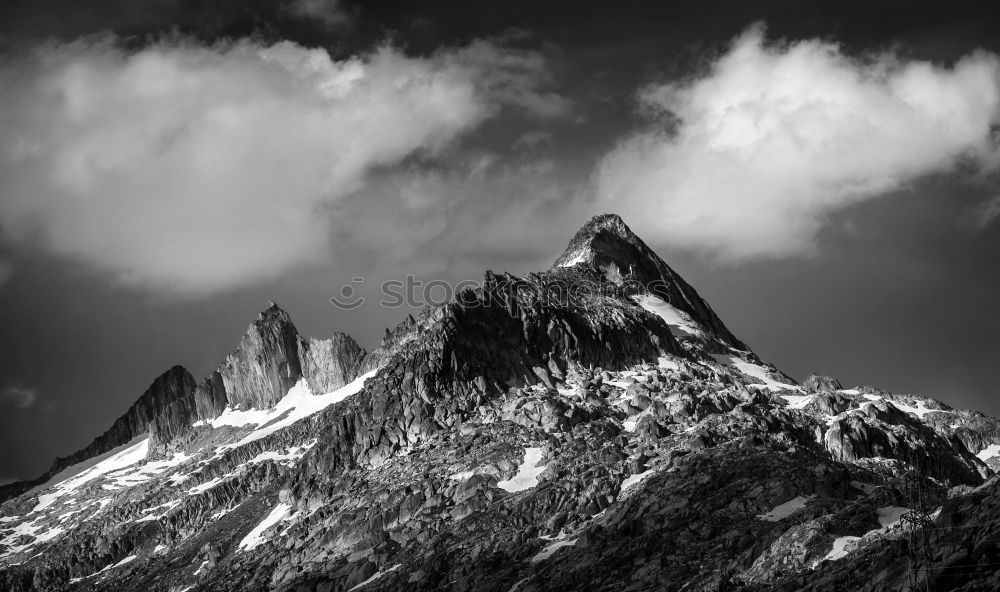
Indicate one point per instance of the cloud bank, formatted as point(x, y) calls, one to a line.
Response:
point(748, 158)
point(190, 169)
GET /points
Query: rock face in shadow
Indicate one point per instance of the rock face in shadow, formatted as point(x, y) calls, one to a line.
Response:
point(210, 397)
point(162, 404)
point(173, 419)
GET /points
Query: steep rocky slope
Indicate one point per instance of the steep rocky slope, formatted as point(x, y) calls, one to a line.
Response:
point(591, 427)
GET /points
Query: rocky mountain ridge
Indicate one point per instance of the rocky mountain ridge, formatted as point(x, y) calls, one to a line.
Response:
point(594, 426)
point(270, 358)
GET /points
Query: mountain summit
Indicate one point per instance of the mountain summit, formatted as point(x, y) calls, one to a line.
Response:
point(606, 239)
point(606, 243)
point(616, 437)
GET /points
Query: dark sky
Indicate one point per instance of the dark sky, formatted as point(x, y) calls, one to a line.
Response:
point(895, 285)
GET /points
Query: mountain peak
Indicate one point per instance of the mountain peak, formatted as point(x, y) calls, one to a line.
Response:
point(273, 312)
point(608, 245)
point(599, 237)
point(609, 221)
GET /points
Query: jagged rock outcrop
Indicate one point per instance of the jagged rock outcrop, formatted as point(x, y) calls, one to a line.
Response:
point(329, 364)
point(882, 431)
point(821, 384)
point(272, 357)
point(269, 360)
point(830, 403)
point(266, 363)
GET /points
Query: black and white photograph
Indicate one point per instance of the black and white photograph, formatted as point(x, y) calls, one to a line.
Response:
point(499, 296)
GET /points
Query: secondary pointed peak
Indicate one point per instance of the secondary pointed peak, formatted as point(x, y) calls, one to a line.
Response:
point(272, 308)
point(272, 316)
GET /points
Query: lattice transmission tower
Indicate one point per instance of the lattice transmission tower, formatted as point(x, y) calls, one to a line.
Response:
point(919, 526)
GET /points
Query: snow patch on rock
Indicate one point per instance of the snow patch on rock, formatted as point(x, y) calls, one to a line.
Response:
point(376, 576)
point(157, 515)
point(300, 403)
point(527, 473)
point(667, 363)
point(782, 511)
point(72, 478)
point(203, 487)
point(129, 477)
point(287, 458)
point(255, 537)
point(840, 548)
point(681, 324)
point(636, 479)
point(576, 260)
point(755, 371)
point(551, 548)
point(988, 452)
point(920, 410)
point(797, 401)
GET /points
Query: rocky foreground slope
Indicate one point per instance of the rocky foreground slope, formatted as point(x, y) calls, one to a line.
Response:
point(590, 427)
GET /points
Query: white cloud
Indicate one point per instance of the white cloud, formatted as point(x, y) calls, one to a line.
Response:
point(19, 397)
point(476, 208)
point(748, 158)
point(189, 169)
